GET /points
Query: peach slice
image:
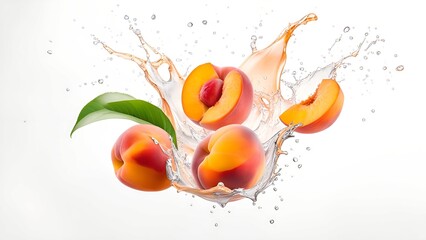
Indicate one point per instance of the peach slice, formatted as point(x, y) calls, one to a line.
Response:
point(232, 155)
point(319, 111)
point(214, 97)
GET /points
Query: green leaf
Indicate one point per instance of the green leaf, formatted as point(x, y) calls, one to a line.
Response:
point(123, 106)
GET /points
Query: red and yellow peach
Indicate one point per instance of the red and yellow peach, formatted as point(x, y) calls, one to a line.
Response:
point(232, 155)
point(138, 159)
point(214, 97)
point(319, 111)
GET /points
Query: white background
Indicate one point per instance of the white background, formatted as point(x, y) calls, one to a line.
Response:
point(360, 180)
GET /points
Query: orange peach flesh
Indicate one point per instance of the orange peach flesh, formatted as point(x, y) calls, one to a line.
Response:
point(190, 95)
point(235, 96)
point(232, 89)
point(319, 111)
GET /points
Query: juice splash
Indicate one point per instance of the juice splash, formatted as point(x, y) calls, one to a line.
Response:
point(264, 67)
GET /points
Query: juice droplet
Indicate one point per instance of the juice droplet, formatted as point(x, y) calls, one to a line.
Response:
point(276, 208)
point(308, 149)
point(346, 29)
point(153, 17)
point(373, 110)
point(126, 17)
point(216, 224)
point(204, 22)
point(100, 81)
point(271, 221)
point(49, 52)
point(67, 89)
point(299, 166)
point(190, 24)
point(295, 159)
point(400, 68)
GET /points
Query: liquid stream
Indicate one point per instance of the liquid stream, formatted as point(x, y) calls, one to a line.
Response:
point(264, 68)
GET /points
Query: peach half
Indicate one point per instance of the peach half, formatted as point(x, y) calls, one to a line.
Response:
point(319, 111)
point(138, 159)
point(232, 155)
point(214, 97)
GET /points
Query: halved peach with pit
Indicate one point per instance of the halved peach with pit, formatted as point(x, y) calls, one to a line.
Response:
point(319, 111)
point(214, 97)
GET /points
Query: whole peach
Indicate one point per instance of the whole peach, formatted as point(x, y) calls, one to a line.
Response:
point(138, 159)
point(232, 155)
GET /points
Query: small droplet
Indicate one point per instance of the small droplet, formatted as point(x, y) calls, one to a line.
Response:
point(363, 119)
point(351, 38)
point(190, 24)
point(100, 81)
point(346, 29)
point(220, 184)
point(138, 31)
point(378, 52)
point(295, 159)
point(216, 224)
point(126, 17)
point(385, 68)
point(204, 22)
point(49, 52)
point(276, 208)
point(293, 73)
point(135, 19)
point(308, 149)
point(395, 55)
point(275, 189)
point(153, 17)
point(67, 89)
point(271, 221)
point(361, 68)
point(253, 37)
point(373, 111)
point(296, 140)
point(299, 166)
point(400, 68)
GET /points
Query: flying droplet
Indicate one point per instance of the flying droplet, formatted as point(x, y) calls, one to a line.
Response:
point(276, 208)
point(49, 52)
point(296, 140)
point(400, 68)
point(100, 81)
point(295, 159)
point(67, 89)
point(216, 224)
point(190, 24)
point(308, 149)
point(204, 22)
point(271, 221)
point(153, 17)
point(373, 111)
point(299, 166)
point(126, 17)
point(346, 29)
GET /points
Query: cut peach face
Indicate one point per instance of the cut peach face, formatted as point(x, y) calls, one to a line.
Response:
point(319, 111)
point(232, 155)
point(214, 97)
point(138, 161)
